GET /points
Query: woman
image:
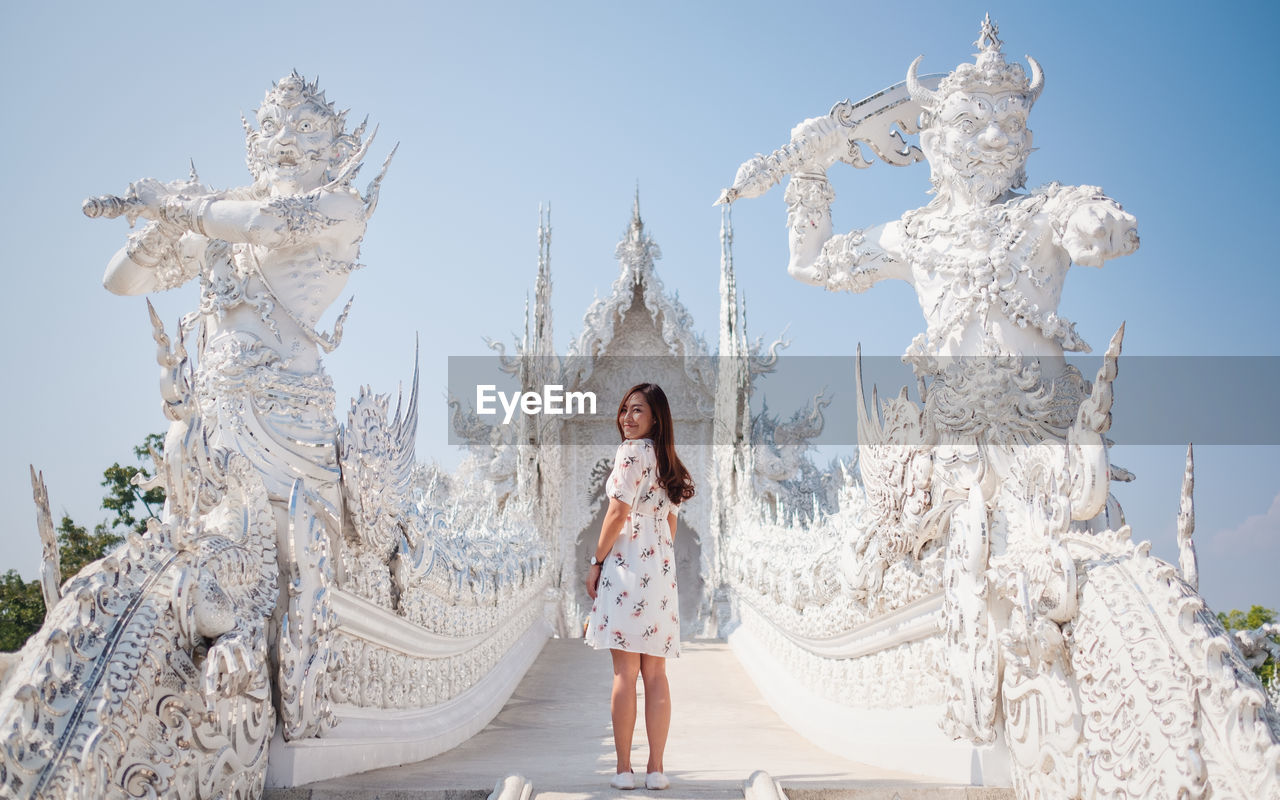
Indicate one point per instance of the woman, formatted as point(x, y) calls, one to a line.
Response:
point(632, 576)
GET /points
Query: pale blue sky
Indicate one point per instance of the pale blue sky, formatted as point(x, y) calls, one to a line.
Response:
point(501, 106)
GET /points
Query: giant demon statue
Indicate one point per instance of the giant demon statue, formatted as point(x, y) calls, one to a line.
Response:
point(163, 668)
point(166, 668)
point(1004, 463)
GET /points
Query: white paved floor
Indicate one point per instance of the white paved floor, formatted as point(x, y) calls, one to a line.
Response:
point(555, 731)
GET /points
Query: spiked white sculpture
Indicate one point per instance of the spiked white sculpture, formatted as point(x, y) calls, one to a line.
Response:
point(304, 574)
point(987, 506)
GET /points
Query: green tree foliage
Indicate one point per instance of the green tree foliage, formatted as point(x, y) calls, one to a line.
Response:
point(22, 603)
point(77, 547)
point(1257, 616)
point(122, 496)
point(21, 609)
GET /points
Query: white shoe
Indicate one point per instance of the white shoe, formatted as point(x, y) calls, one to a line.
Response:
point(656, 781)
point(623, 780)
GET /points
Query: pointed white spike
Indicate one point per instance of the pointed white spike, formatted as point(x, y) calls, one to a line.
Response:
point(1187, 561)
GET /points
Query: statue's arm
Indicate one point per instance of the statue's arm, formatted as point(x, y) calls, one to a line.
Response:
point(849, 262)
point(272, 222)
point(1092, 227)
point(283, 221)
point(157, 257)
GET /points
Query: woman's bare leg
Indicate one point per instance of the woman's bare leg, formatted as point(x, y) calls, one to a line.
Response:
point(622, 704)
point(657, 707)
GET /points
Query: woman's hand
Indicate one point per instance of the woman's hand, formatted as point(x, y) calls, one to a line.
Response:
point(615, 516)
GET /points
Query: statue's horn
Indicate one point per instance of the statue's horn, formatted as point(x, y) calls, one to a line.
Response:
point(923, 96)
point(1037, 80)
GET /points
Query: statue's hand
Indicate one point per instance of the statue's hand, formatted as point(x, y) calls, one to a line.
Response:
point(1098, 231)
point(147, 195)
point(820, 142)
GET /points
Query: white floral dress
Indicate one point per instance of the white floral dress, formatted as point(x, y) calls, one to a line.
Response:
point(636, 607)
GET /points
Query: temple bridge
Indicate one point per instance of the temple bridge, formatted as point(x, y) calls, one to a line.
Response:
point(555, 733)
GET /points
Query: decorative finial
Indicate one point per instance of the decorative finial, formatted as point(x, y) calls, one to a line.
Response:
point(635, 209)
point(637, 224)
point(989, 36)
point(1188, 564)
point(544, 240)
point(988, 74)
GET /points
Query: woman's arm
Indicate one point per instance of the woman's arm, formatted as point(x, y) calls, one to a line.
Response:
point(671, 520)
point(614, 518)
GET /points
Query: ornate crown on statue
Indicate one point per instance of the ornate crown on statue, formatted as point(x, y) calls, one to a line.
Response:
point(989, 74)
point(294, 90)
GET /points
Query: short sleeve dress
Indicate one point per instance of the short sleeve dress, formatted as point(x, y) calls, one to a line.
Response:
point(636, 607)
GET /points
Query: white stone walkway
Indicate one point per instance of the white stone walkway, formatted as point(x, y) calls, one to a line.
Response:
point(555, 731)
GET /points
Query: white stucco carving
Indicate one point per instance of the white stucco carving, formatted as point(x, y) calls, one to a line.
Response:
point(315, 603)
point(1094, 664)
point(641, 332)
point(304, 573)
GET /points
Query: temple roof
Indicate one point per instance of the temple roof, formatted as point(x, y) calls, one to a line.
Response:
point(637, 289)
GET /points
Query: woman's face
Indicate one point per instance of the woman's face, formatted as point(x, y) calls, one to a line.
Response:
point(636, 417)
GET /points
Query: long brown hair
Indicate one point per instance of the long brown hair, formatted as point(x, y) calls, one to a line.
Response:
point(671, 470)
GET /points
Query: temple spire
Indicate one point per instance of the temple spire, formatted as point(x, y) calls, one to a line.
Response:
point(524, 341)
point(637, 250)
point(637, 224)
point(730, 314)
point(543, 341)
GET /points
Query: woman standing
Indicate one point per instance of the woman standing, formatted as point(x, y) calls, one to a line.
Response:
point(632, 576)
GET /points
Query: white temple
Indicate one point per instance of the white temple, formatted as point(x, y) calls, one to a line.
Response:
point(638, 332)
point(968, 603)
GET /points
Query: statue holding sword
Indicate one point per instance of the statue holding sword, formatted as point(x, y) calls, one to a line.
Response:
point(987, 261)
point(964, 471)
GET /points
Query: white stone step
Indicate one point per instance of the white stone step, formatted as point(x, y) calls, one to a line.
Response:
point(871, 792)
point(877, 792)
point(555, 731)
point(907, 792)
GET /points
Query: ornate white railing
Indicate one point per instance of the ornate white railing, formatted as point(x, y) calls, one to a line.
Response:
point(1118, 682)
point(440, 612)
point(402, 693)
point(860, 673)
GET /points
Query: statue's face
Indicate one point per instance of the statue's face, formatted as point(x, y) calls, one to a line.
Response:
point(293, 147)
point(979, 143)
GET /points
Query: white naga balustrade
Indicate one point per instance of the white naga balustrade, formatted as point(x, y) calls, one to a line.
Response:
point(967, 601)
point(978, 575)
point(311, 598)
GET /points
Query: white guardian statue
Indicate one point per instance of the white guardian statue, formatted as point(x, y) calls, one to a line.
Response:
point(1099, 666)
point(253, 618)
